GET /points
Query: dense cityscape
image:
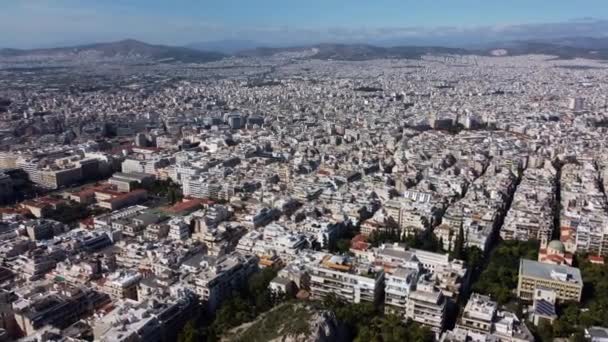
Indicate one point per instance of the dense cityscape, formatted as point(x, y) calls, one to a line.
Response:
point(291, 198)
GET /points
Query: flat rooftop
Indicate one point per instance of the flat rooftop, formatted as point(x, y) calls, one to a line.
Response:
point(541, 270)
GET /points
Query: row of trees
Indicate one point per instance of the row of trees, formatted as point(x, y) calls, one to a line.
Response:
point(425, 240)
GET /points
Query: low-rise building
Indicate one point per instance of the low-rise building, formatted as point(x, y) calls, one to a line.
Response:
point(482, 321)
point(57, 309)
point(157, 320)
point(127, 182)
point(566, 281)
point(121, 285)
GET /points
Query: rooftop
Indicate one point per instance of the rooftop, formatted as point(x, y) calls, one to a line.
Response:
point(535, 269)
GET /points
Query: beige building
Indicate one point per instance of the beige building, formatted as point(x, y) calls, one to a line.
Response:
point(566, 281)
point(121, 285)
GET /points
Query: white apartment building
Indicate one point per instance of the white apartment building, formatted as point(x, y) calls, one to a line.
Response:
point(215, 279)
point(398, 286)
point(427, 306)
point(345, 278)
point(178, 229)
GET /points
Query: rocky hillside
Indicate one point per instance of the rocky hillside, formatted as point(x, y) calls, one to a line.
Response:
point(290, 322)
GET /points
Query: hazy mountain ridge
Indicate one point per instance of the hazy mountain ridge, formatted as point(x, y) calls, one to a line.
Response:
point(578, 42)
point(355, 52)
point(565, 48)
point(560, 50)
point(227, 46)
point(124, 48)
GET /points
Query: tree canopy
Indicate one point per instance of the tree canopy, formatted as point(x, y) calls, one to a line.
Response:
point(499, 278)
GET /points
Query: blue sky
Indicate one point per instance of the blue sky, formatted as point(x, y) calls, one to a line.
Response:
point(26, 23)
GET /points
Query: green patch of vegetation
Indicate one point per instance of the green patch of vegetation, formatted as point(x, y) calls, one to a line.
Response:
point(190, 333)
point(342, 246)
point(166, 188)
point(289, 319)
point(473, 258)
point(366, 323)
point(500, 277)
point(245, 306)
point(376, 238)
point(391, 328)
point(72, 213)
point(425, 240)
point(174, 196)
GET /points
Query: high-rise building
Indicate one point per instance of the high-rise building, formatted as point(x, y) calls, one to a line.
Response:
point(427, 306)
point(6, 188)
point(576, 104)
point(141, 140)
point(8, 160)
point(234, 120)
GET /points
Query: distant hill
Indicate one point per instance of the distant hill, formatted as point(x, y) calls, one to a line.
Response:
point(359, 52)
point(225, 46)
point(518, 48)
point(591, 43)
point(565, 48)
point(364, 52)
point(129, 48)
point(355, 52)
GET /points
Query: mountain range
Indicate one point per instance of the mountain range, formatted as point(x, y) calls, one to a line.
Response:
point(228, 46)
point(565, 48)
point(128, 48)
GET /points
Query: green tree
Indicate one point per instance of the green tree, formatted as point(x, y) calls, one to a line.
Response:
point(473, 257)
point(377, 238)
point(254, 299)
point(425, 240)
point(500, 276)
point(578, 336)
point(189, 333)
point(458, 252)
point(544, 331)
point(70, 213)
point(343, 246)
point(366, 323)
point(232, 313)
point(172, 196)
